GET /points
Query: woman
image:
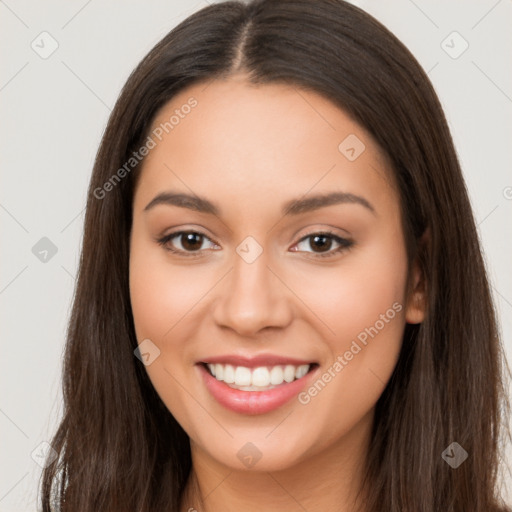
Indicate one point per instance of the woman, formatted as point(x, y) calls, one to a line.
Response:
point(282, 302)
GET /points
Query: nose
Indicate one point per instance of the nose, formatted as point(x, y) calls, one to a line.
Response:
point(252, 298)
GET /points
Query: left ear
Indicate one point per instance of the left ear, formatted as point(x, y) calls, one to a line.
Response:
point(417, 300)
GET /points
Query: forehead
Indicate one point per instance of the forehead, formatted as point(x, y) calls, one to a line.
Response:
point(272, 141)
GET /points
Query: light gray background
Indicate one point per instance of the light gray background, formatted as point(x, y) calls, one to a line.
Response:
point(54, 110)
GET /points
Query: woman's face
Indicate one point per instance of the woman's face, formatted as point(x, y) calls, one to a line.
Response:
point(267, 242)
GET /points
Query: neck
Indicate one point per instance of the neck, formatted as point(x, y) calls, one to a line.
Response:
point(328, 480)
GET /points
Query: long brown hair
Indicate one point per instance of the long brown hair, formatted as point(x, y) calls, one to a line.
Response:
point(119, 447)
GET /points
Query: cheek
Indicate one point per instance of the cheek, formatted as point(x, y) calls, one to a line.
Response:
point(150, 295)
point(161, 297)
point(351, 383)
point(161, 293)
point(352, 296)
point(363, 303)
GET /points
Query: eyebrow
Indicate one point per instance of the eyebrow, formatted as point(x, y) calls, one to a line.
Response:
point(292, 207)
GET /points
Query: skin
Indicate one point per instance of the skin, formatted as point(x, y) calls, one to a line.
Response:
point(249, 149)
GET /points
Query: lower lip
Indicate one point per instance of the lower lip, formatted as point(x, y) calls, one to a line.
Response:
point(253, 402)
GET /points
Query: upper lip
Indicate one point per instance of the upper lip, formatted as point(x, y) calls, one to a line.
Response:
point(255, 361)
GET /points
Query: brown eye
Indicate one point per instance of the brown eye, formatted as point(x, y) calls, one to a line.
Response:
point(185, 242)
point(322, 243)
point(191, 241)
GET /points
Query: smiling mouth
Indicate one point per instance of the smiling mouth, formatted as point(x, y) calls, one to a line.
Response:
point(261, 378)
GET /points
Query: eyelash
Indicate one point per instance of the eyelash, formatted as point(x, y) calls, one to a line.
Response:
point(345, 244)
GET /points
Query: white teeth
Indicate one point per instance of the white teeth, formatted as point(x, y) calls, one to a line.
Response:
point(289, 373)
point(301, 371)
point(242, 376)
point(276, 375)
point(219, 372)
point(229, 374)
point(258, 378)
